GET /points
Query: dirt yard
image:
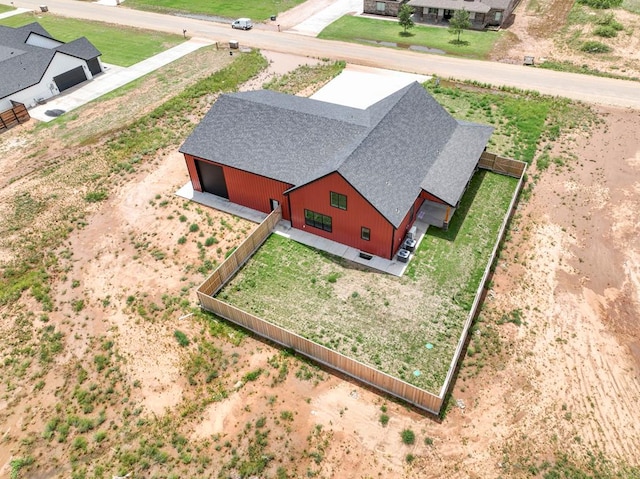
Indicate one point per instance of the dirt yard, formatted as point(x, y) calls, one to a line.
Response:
point(537, 29)
point(567, 379)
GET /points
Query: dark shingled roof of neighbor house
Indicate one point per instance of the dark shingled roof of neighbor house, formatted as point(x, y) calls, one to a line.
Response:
point(22, 65)
point(389, 152)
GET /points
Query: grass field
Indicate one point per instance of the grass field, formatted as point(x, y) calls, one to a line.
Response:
point(115, 42)
point(231, 9)
point(474, 44)
point(378, 319)
point(5, 8)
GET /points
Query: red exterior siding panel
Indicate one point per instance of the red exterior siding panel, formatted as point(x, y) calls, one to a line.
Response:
point(193, 172)
point(430, 197)
point(346, 224)
point(407, 223)
point(246, 189)
point(256, 191)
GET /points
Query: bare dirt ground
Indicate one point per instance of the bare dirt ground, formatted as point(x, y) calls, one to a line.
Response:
point(567, 381)
point(538, 29)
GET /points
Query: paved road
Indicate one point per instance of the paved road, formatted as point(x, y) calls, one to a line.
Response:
point(579, 87)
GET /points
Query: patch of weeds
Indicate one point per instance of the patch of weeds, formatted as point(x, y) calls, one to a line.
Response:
point(409, 458)
point(592, 46)
point(384, 419)
point(408, 436)
point(95, 196)
point(286, 416)
point(182, 338)
point(19, 463)
point(515, 317)
point(252, 375)
point(333, 277)
point(77, 305)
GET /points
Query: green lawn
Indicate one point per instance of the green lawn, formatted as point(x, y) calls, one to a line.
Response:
point(378, 319)
point(366, 30)
point(225, 8)
point(5, 8)
point(119, 45)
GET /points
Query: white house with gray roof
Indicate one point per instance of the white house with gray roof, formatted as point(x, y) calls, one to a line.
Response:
point(34, 66)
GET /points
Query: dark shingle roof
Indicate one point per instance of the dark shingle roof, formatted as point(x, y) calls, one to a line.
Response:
point(23, 65)
point(388, 152)
point(80, 48)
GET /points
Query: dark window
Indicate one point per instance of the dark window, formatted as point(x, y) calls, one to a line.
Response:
point(338, 201)
point(365, 233)
point(317, 220)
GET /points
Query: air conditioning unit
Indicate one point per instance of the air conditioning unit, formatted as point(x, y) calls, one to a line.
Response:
point(409, 244)
point(403, 255)
point(412, 233)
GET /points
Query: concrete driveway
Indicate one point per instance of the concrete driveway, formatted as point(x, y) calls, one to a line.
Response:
point(587, 88)
point(313, 25)
point(113, 77)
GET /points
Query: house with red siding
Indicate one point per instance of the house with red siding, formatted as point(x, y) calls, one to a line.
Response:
point(360, 177)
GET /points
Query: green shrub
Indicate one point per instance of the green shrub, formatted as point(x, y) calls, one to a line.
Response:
point(610, 20)
point(80, 443)
point(182, 338)
point(384, 419)
point(210, 241)
point(182, 240)
point(193, 227)
point(601, 4)
point(408, 436)
point(100, 436)
point(95, 196)
point(410, 458)
point(428, 441)
point(595, 47)
point(78, 305)
point(252, 375)
point(606, 31)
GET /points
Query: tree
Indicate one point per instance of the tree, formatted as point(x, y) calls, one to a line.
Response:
point(404, 17)
point(458, 22)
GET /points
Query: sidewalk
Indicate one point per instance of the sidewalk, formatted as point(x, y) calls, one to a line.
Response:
point(113, 77)
point(17, 11)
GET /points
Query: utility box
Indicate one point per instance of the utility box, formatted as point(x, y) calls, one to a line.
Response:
point(44, 8)
point(412, 233)
point(234, 44)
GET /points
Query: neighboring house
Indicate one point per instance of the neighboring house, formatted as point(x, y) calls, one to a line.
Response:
point(34, 66)
point(360, 177)
point(482, 13)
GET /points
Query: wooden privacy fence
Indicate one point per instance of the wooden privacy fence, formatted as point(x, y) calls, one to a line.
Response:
point(487, 271)
point(240, 255)
point(14, 116)
point(323, 355)
point(504, 166)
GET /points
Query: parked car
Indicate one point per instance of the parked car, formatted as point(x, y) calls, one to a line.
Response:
point(242, 24)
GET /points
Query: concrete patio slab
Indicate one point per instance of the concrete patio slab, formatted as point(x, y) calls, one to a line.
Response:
point(284, 228)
